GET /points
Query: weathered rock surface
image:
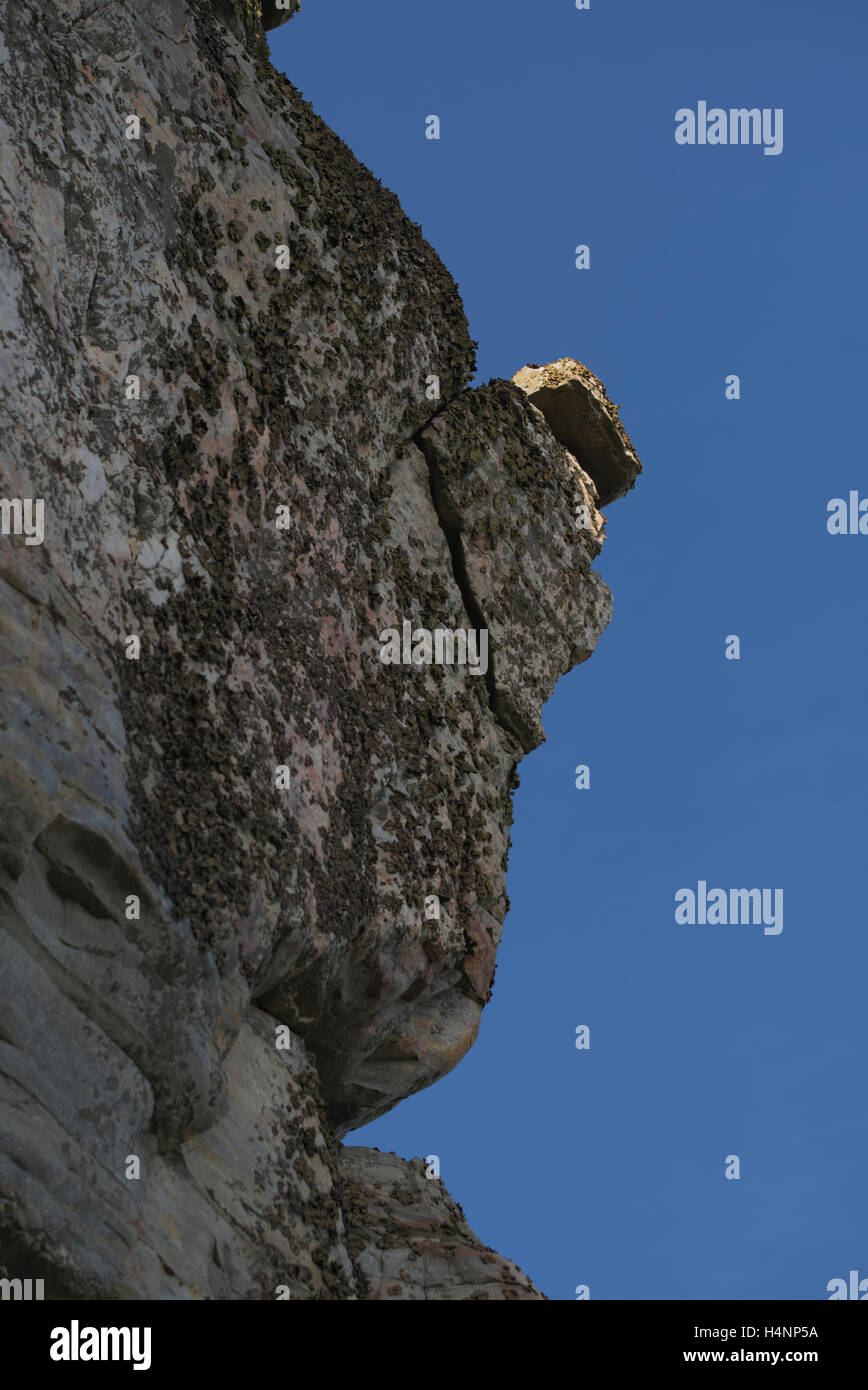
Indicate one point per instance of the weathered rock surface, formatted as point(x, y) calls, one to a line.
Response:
point(577, 407)
point(220, 812)
point(410, 1240)
point(507, 495)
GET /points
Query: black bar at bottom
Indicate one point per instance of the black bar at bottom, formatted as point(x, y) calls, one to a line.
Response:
point(274, 1341)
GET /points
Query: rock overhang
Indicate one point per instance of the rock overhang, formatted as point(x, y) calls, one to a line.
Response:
point(582, 417)
point(274, 13)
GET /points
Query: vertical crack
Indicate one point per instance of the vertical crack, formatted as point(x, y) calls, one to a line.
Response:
point(498, 703)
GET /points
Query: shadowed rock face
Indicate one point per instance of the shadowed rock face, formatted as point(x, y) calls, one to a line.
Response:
point(275, 13)
point(251, 19)
point(221, 813)
point(580, 414)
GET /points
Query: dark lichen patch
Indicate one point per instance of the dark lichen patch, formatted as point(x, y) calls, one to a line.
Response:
point(259, 647)
point(294, 387)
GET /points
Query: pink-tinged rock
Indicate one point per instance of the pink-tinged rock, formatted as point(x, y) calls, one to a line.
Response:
point(410, 1240)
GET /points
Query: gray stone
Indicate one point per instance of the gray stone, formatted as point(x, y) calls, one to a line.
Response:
point(235, 832)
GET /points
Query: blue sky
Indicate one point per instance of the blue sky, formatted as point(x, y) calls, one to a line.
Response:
point(605, 1167)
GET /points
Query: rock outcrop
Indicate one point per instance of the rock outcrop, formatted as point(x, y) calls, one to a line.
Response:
point(579, 413)
point(252, 876)
point(409, 1240)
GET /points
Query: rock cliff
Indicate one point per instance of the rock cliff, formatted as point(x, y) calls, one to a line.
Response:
point(251, 873)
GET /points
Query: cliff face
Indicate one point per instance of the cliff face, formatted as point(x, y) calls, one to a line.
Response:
point(224, 818)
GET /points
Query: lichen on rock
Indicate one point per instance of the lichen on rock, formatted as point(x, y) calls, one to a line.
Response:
point(579, 413)
point(222, 812)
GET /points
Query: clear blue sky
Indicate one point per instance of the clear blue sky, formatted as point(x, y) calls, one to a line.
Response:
point(606, 1167)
